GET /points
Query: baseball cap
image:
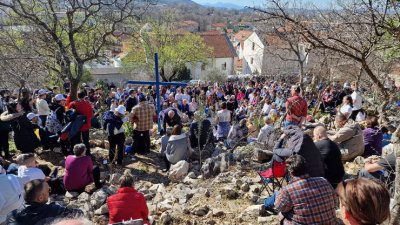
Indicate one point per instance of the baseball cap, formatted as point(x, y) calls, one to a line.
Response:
point(59, 97)
point(42, 92)
point(30, 116)
point(121, 109)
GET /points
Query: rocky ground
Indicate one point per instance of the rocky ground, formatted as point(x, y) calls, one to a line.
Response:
point(224, 189)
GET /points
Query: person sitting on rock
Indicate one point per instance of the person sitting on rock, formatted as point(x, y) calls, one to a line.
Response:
point(36, 210)
point(237, 133)
point(306, 200)
point(127, 204)
point(373, 137)
point(381, 169)
point(331, 157)
point(79, 171)
point(177, 148)
point(349, 137)
point(267, 135)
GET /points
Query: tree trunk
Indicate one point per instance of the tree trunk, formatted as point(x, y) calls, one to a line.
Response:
point(381, 87)
point(162, 74)
point(301, 75)
point(74, 89)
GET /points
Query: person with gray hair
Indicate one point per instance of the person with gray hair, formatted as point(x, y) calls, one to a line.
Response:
point(79, 170)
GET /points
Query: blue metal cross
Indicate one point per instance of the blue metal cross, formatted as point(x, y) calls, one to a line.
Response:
point(157, 83)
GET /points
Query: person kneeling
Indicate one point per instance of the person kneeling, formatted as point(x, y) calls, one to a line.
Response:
point(177, 148)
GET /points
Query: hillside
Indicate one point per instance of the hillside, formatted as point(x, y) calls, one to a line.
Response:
point(175, 2)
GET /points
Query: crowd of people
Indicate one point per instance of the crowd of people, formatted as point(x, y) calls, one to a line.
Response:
point(229, 113)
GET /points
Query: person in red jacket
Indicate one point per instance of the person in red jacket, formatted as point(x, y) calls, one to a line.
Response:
point(127, 203)
point(82, 107)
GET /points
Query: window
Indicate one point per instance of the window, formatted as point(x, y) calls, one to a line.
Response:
point(253, 46)
point(223, 66)
point(251, 61)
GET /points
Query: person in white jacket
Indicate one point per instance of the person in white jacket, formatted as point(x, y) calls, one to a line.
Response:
point(42, 107)
point(11, 194)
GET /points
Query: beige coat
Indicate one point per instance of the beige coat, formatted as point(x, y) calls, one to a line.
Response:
point(350, 140)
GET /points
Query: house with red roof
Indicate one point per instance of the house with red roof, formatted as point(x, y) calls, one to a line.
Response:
point(223, 55)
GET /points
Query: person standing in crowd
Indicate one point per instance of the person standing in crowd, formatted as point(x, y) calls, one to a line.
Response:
point(127, 204)
point(296, 108)
point(373, 137)
point(142, 116)
point(132, 100)
point(79, 171)
point(5, 127)
point(113, 122)
point(36, 210)
point(223, 121)
point(82, 107)
point(331, 157)
point(357, 100)
point(24, 137)
point(57, 116)
point(42, 107)
point(363, 202)
point(306, 200)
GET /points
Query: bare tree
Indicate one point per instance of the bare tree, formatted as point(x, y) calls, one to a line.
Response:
point(70, 33)
point(353, 29)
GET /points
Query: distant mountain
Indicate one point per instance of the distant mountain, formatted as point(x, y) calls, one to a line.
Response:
point(223, 5)
point(175, 2)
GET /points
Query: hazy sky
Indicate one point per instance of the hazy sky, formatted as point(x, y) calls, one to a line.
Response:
point(258, 2)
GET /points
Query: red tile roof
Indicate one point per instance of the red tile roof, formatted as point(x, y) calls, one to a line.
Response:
point(222, 47)
point(220, 25)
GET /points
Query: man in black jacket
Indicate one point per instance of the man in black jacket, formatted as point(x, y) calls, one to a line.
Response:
point(36, 211)
point(331, 157)
point(132, 100)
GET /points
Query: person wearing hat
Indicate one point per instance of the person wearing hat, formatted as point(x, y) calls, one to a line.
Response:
point(115, 131)
point(42, 106)
point(56, 120)
point(142, 115)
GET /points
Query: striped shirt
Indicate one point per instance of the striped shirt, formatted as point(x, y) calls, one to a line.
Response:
point(307, 200)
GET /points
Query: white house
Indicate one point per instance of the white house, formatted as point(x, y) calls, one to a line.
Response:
point(223, 55)
point(250, 51)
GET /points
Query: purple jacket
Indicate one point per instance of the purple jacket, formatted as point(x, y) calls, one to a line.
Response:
point(373, 138)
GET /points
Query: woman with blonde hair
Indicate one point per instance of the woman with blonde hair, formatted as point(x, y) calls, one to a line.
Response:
point(363, 201)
